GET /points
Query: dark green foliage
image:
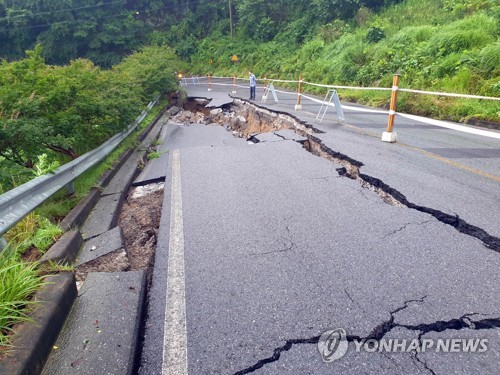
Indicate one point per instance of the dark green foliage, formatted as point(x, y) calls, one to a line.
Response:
point(68, 29)
point(152, 69)
point(106, 30)
point(374, 34)
point(65, 111)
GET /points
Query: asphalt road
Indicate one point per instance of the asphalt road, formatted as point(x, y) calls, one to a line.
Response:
point(263, 247)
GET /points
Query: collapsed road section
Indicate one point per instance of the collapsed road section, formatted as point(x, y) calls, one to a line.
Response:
point(258, 124)
point(103, 332)
point(279, 246)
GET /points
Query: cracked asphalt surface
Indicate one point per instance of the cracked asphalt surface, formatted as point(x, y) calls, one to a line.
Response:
point(279, 248)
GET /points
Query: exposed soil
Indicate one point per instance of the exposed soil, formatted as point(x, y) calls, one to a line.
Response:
point(31, 255)
point(140, 221)
point(115, 261)
point(241, 118)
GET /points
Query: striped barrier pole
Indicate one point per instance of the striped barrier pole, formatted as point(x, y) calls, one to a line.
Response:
point(209, 84)
point(234, 84)
point(389, 135)
point(298, 106)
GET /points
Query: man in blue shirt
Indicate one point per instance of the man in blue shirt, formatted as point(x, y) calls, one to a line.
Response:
point(253, 85)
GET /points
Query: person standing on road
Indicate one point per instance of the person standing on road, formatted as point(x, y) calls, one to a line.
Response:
point(253, 85)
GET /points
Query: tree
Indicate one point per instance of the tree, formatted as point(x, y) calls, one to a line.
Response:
point(152, 68)
point(64, 111)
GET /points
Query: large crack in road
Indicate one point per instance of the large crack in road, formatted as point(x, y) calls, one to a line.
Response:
point(246, 120)
point(380, 331)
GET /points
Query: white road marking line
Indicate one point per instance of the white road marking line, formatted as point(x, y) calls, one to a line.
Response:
point(425, 120)
point(448, 125)
point(175, 335)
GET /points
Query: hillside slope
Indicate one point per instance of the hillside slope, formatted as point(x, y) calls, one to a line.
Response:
point(441, 45)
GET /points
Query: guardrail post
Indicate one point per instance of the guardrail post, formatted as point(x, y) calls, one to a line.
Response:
point(298, 106)
point(234, 84)
point(209, 84)
point(389, 135)
point(3, 244)
point(70, 188)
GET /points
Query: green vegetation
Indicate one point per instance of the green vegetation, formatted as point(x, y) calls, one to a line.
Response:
point(439, 45)
point(448, 46)
point(156, 142)
point(33, 231)
point(60, 267)
point(20, 278)
point(104, 31)
point(153, 155)
point(18, 281)
point(52, 114)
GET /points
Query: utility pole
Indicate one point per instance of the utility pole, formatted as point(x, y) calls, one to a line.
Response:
point(231, 18)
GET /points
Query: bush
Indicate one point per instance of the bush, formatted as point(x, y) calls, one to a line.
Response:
point(18, 281)
point(374, 34)
point(151, 68)
point(489, 59)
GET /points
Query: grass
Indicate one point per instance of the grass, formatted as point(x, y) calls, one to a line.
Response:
point(46, 235)
point(156, 142)
point(34, 230)
point(153, 155)
point(59, 267)
point(18, 282)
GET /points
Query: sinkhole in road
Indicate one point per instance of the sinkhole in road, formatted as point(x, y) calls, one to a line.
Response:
point(246, 120)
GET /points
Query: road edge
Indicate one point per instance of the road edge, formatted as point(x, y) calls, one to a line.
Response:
point(33, 341)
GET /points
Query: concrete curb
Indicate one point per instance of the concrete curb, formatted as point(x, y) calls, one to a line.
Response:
point(146, 131)
point(102, 332)
point(33, 341)
point(65, 249)
point(110, 173)
point(484, 124)
point(106, 212)
point(102, 245)
point(81, 211)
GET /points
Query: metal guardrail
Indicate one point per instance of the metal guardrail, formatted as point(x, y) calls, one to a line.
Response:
point(20, 201)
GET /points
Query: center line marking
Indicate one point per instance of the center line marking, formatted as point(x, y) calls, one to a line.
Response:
point(174, 334)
